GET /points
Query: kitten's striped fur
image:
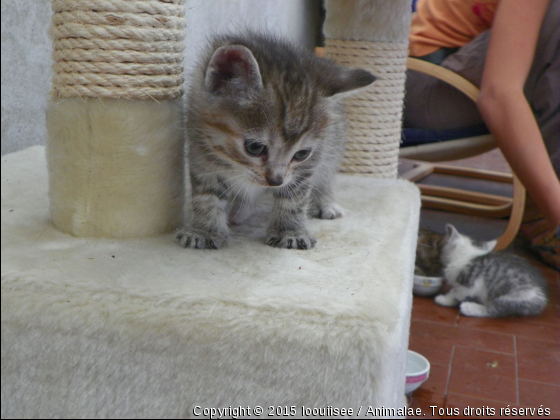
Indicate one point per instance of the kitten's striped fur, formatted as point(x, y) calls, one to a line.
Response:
point(489, 284)
point(252, 93)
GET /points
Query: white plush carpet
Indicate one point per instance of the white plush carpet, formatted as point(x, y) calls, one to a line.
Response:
point(144, 328)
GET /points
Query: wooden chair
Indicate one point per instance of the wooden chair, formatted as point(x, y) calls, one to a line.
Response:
point(454, 199)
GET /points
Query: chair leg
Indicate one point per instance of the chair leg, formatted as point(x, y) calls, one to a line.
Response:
point(474, 173)
point(420, 171)
point(458, 200)
point(516, 217)
point(462, 201)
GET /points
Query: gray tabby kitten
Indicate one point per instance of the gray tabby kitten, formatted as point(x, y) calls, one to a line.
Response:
point(263, 116)
point(489, 284)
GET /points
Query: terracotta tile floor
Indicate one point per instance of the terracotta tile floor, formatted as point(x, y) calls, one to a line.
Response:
point(484, 364)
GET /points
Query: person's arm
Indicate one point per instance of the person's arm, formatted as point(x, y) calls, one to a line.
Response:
point(504, 107)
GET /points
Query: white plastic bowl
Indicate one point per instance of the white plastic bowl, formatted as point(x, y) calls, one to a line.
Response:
point(417, 371)
point(426, 286)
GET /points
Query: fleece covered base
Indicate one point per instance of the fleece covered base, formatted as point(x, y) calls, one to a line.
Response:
point(144, 328)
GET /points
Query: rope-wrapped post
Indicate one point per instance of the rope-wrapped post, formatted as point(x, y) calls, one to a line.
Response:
point(373, 35)
point(115, 121)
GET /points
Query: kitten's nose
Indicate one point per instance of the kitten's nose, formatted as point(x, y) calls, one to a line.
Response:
point(275, 181)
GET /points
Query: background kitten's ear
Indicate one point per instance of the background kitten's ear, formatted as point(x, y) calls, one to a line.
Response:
point(490, 245)
point(450, 231)
point(350, 79)
point(233, 68)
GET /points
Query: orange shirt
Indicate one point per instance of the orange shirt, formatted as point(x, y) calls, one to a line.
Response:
point(448, 23)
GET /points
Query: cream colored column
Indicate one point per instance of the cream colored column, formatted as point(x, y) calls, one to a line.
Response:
point(115, 121)
point(373, 35)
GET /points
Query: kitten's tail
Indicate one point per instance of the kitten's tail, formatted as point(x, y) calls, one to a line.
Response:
point(523, 302)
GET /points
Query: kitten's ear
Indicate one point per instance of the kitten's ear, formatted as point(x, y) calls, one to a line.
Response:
point(232, 68)
point(450, 231)
point(490, 245)
point(350, 79)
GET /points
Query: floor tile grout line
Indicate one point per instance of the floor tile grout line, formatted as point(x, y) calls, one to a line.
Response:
point(475, 397)
point(516, 368)
point(544, 324)
point(482, 398)
point(459, 327)
point(446, 391)
point(533, 339)
point(527, 337)
point(440, 364)
point(449, 324)
point(489, 400)
point(485, 349)
point(536, 382)
point(527, 323)
point(480, 329)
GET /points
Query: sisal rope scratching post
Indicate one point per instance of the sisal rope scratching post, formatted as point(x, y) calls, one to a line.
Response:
point(115, 120)
point(373, 35)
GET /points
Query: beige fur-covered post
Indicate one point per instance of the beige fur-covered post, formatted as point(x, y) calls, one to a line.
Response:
point(373, 35)
point(115, 126)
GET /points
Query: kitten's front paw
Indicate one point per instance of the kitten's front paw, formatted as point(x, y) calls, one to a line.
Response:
point(326, 211)
point(190, 238)
point(473, 309)
point(291, 240)
point(446, 300)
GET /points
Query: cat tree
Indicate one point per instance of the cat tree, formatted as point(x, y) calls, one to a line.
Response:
point(115, 122)
point(374, 115)
point(97, 327)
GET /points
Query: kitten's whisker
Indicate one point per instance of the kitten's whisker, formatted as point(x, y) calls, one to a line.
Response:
point(308, 184)
point(233, 199)
point(230, 187)
point(301, 195)
point(290, 191)
point(234, 184)
point(242, 200)
point(224, 183)
point(217, 172)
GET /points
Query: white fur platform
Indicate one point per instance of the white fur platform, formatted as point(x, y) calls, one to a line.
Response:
point(145, 328)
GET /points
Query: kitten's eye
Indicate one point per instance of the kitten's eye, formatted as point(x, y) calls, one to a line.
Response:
point(302, 154)
point(255, 148)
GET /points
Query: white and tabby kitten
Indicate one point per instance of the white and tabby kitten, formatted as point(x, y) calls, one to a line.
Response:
point(489, 284)
point(263, 116)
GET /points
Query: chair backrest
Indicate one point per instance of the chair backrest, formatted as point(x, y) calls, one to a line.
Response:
point(452, 149)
